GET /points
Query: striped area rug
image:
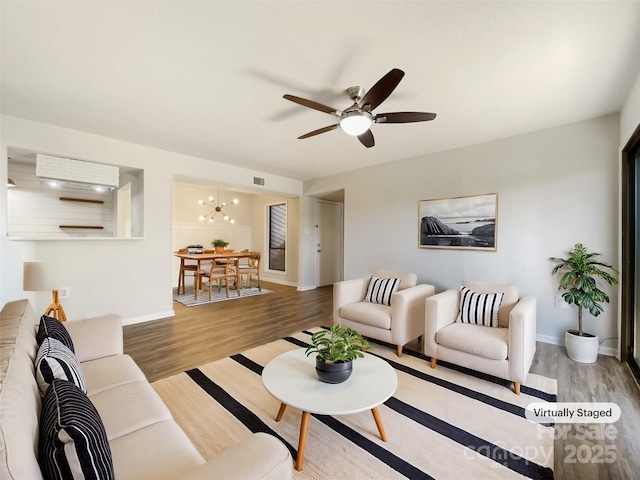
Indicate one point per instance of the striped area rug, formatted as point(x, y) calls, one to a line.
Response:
point(442, 423)
point(189, 300)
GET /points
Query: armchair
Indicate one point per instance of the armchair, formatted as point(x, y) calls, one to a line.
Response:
point(505, 352)
point(397, 323)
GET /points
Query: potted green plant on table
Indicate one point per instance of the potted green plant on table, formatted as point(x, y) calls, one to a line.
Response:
point(336, 350)
point(218, 245)
point(580, 272)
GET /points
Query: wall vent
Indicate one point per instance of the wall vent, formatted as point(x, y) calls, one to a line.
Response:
point(258, 181)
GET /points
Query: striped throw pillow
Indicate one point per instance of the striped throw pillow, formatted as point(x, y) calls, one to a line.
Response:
point(50, 327)
point(73, 441)
point(479, 308)
point(55, 361)
point(381, 289)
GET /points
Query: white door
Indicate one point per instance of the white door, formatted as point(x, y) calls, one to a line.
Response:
point(328, 242)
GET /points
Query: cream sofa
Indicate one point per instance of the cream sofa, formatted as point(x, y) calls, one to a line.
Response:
point(145, 441)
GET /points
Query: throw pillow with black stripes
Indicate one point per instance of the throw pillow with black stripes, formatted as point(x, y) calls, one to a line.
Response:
point(73, 442)
point(479, 308)
point(381, 290)
point(50, 327)
point(55, 361)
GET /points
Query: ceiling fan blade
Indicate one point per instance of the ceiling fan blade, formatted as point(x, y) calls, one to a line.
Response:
point(319, 131)
point(381, 90)
point(311, 104)
point(404, 117)
point(367, 139)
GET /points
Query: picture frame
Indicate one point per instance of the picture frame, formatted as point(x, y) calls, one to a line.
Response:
point(459, 223)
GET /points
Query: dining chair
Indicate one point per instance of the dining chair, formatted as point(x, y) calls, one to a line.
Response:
point(221, 271)
point(250, 268)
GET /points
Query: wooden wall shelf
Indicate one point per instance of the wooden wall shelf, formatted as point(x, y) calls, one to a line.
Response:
point(82, 226)
point(84, 200)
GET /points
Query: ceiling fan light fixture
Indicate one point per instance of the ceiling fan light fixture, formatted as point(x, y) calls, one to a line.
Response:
point(356, 123)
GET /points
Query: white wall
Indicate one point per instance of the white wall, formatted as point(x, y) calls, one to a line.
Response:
point(260, 203)
point(630, 113)
point(130, 277)
point(555, 187)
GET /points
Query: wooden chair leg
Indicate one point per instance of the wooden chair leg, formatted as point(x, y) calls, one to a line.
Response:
point(399, 352)
point(433, 362)
point(516, 387)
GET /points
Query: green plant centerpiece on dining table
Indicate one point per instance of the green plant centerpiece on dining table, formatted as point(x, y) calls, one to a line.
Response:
point(336, 350)
point(580, 270)
point(219, 245)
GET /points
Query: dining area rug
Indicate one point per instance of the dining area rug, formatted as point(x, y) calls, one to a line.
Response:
point(188, 298)
point(442, 423)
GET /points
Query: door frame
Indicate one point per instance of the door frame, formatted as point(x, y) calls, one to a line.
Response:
point(630, 219)
point(317, 238)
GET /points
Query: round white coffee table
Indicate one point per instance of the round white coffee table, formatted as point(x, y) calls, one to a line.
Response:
point(291, 378)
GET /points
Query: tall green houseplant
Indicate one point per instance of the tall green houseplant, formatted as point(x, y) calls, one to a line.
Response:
point(579, 274)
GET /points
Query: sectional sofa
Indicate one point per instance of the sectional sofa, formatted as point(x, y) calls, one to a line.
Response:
point(144, 440)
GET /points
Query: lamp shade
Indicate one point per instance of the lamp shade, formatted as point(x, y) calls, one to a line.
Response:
point(356, 123)
point(40, 277)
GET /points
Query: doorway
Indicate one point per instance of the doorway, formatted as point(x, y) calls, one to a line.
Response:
point(630, 331)
point(329, 234)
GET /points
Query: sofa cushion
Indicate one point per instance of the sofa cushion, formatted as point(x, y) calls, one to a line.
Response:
point(171, 456)
point(407, 279)
point(50, 327)
point(373, 314)
point(19, 396)
point(108, 372)
point(479, 308)
point(380, 290)
point(129, 407)
point(73, 442)
point(478, 340)
point(56, 361)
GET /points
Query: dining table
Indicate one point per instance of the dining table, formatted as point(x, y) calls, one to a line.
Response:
point(202, 257)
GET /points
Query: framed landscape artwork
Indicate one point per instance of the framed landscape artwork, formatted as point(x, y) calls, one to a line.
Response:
point(468, 223)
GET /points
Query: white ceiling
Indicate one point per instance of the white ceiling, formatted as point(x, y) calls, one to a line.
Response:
point(207, 78)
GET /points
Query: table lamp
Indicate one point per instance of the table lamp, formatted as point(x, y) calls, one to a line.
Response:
point(40, 277)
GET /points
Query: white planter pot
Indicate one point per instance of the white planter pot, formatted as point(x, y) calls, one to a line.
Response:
point(581, 349)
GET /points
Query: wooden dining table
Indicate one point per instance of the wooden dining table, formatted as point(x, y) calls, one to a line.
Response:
point(201, 257)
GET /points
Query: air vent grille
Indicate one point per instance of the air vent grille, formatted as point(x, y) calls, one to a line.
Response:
point(258, 181)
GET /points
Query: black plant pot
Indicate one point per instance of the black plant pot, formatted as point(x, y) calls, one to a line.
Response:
point(333, 372)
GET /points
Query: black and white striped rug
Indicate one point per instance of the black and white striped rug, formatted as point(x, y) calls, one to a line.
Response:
point(442, 423)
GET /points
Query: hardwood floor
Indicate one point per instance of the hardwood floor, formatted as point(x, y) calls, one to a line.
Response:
point(197, 335)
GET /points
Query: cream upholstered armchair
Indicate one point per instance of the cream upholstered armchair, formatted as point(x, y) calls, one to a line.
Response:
point(387, 306)
point(505, 349)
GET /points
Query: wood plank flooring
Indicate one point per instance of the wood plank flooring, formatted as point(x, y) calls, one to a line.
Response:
point(197, 335)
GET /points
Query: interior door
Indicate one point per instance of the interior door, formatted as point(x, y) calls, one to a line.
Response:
point(329, 243)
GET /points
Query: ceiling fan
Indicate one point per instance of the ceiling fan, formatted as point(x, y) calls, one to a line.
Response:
point(357, 118)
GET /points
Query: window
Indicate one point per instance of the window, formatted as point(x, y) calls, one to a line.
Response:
point(277, 228)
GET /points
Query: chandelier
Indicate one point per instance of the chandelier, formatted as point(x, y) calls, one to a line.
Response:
point(216, 208)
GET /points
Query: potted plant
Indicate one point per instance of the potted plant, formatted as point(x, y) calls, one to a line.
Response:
point(336, 349)
point(580, 272)
point(218, 245)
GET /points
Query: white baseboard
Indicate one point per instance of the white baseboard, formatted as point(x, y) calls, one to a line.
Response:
point(609, 351)
point(148, 318)
point(280, 282)
point(304, 288)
